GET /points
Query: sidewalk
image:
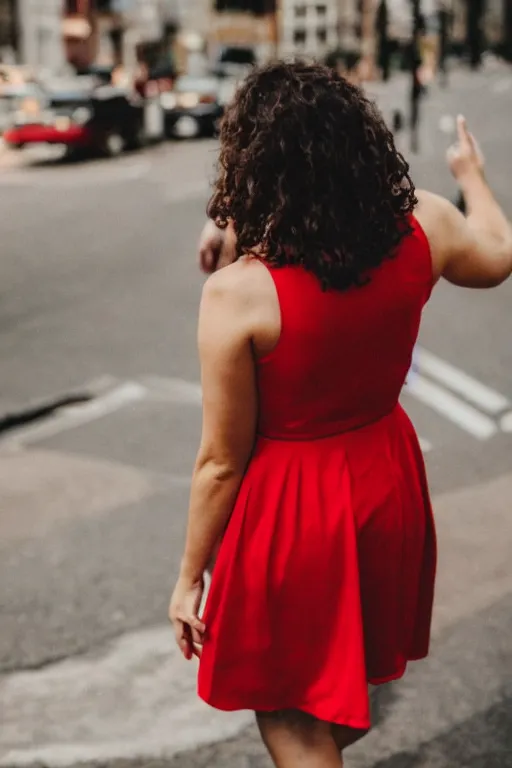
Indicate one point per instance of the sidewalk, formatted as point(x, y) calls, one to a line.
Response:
point(135, 700)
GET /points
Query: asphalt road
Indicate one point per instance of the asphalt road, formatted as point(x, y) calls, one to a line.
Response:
point(99, 294)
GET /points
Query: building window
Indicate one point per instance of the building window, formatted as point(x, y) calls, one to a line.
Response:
point(321, 10)
point(299, 36)
point(257, 7)
point(321, 35)
point(300, 11)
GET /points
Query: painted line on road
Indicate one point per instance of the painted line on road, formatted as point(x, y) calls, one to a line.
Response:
point(153, 388)
point(448, 405)
point(461, 383)
point(70, 418)
point(172, 390)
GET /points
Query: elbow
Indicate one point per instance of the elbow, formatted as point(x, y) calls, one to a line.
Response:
point(216, 471)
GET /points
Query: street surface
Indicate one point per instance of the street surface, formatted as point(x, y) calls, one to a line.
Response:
point(100, 291)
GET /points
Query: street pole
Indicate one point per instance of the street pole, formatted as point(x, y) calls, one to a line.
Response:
point(382, 23)
point(14, 29)
point(507, 30)
point(416, 88)
point(274, 8)
point(444, 24)
point(474, 34)
point(368, 11)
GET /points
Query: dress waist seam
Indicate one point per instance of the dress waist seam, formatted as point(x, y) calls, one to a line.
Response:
point(336, 433)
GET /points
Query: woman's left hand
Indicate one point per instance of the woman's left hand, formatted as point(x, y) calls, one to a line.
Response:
point(183, 614)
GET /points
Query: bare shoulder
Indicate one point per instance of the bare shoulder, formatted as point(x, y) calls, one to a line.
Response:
point(435, 213)
point(243, 297)
point(244, 282)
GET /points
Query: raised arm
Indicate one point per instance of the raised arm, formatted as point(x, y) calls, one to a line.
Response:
point(473, 251)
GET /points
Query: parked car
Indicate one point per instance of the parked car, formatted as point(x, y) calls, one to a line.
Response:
point(193, 108)
point(81, 114)
point(235, 61)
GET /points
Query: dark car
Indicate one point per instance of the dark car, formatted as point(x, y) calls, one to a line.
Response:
point(81, 114)
point(193, 108)
point(235, 61)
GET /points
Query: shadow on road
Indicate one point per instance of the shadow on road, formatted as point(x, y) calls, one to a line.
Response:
point(482, 741)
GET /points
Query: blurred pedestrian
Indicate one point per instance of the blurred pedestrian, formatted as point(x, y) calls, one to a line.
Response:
point(309, 473)
point(347, 63)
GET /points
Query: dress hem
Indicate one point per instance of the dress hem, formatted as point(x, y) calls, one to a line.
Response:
point(359, 725)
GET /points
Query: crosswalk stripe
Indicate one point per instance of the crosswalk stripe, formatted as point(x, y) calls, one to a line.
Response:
point(451, 407)
point(461, 383)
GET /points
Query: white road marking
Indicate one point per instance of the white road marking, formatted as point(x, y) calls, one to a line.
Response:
point(448, 405)
point(461, 383)
point(441, 397)
point(173, 390)
point(76, 416)
point(137, 699)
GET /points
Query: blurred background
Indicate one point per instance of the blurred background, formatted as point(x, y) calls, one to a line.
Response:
point(109, 113)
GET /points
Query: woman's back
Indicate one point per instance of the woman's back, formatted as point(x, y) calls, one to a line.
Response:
point(342, 356)
point(310, 473)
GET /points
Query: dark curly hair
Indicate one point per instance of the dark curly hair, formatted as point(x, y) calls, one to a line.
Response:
point(309, 174)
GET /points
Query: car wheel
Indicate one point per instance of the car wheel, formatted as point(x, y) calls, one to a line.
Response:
point(187, 127)
point(113, 144)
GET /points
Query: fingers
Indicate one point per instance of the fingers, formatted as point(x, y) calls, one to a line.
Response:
point(183, 638)
point(462, 130)
point(189, 632)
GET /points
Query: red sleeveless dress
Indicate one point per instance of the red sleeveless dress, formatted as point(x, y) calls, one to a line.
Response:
point(325, 578)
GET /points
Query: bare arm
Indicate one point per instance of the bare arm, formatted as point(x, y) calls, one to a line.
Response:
point(476, 251)
point(229, 426)
point(229, 421)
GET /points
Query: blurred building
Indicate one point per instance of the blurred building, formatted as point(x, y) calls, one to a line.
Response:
point(285, 27)
point(193, 15)
point(113, 32)
point(250, 23)
point(40, 33)
point(311, 29)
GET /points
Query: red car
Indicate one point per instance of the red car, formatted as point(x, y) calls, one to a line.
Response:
point(80, 114)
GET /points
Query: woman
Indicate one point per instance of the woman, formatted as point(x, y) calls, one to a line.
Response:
point(309, 473)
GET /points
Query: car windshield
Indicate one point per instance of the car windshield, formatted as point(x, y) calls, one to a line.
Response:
point(78, 87)
point(12, 93)
point(17, 97)
point(238, 56)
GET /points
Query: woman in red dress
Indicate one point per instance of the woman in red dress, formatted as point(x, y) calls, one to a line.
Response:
point(309, 473)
